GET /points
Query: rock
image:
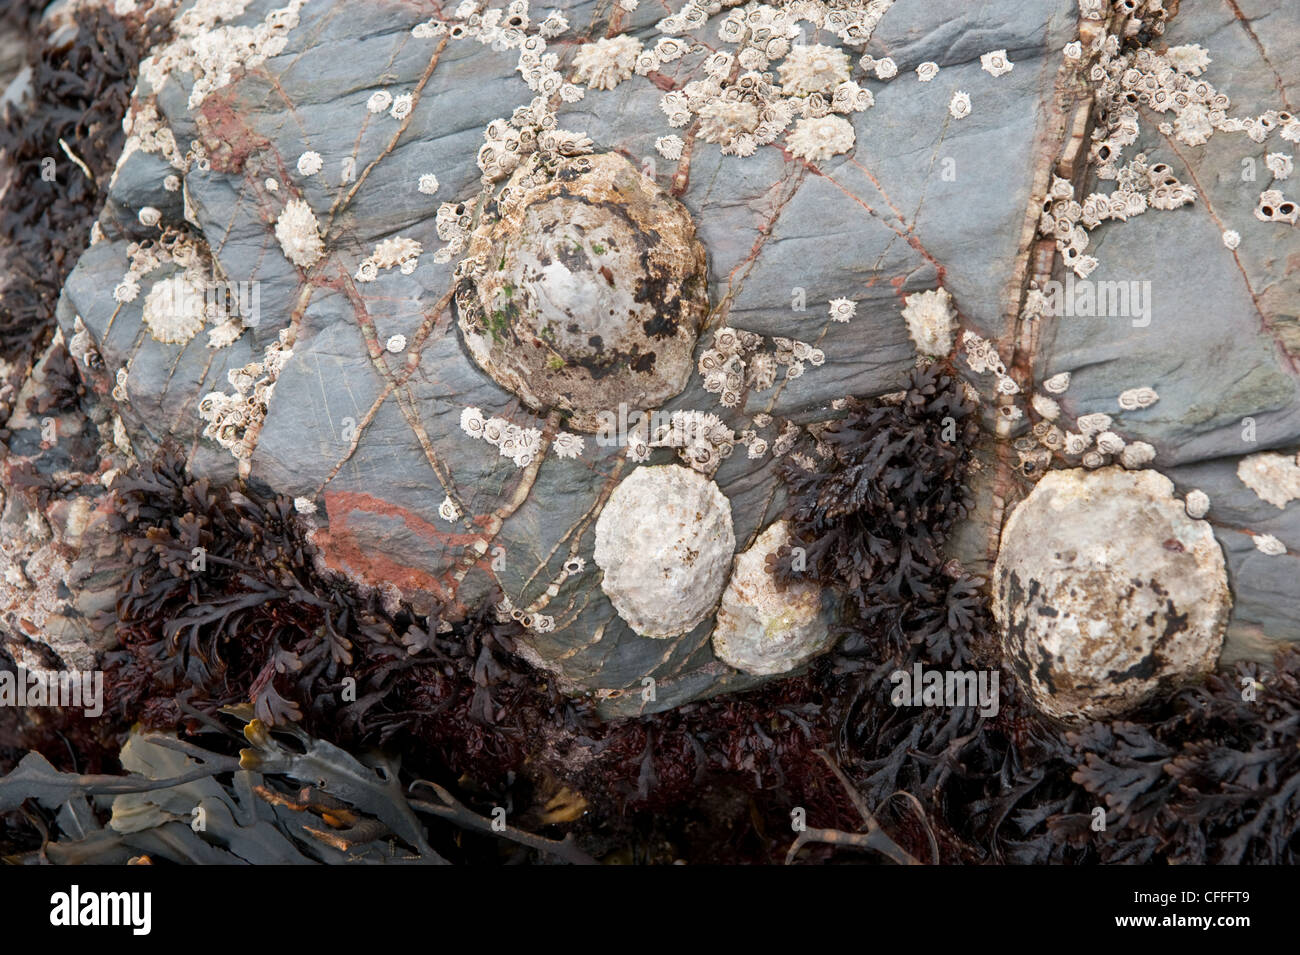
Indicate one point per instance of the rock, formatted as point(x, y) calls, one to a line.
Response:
point(593, 291)
point(1107, 593)
point(762, 629)
point(664, 541)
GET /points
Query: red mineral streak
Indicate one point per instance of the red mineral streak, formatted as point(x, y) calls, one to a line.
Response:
point(345, 546)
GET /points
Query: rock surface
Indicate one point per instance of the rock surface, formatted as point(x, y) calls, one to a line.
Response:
point(924, 199)
point(1107, 592)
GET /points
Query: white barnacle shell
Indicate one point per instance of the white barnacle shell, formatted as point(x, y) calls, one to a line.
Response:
point(931, 321)
point(1093, 460)
point(959, 105)
point(1231, 239)
point(299, 234)
point(664, 541)
point(396, 344)
point(567, 445)
point(1073, 50)
point(448, 510)
point(1076, 443)
point(1057, 384)
point(1136, 398)
point(1197, 504)
point(428, 184)
point(172, 183)
point(1190, 58)
point(174, 310)
point(842, 309)
point(670, 147)
point(402, 105)
point(927, 71)
point(886, 68)
point(1275, 478)
point(471, 422)
point(1137, 454)
point(1091, 424)
point(379, 101)
point(1280, 165)
point(995, 63)
point(1268, 544)
point(149, 216)
point(607, 62)
point(127, 289)
point(1045, 407)
point(367, 270)
point(1108, 442)
point(310, 163)
point(820, 138)
point(813, 68)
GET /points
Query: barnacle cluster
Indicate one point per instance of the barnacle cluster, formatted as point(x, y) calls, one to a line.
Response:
point(235, 418)
point(702, 439)
point(213, 53)
point(741, 106)
point(398, 252)
point(520, 445)
point(607, 62)
point(735, 364)
point(178, 305)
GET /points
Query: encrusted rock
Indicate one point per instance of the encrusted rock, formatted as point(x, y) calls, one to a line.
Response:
point(1107, 593)
point(591, 290)
point(1274, 477)
point(761, 628)
point(664, 541)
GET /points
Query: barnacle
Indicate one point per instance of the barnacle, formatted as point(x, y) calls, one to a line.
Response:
point(396, 344)
point(842, 309)
point(448, 509)
point(379, 101)
point(607, 62)
point(428, 184)
point(1057, 384)
point(886, 68)
point(1274, 207)
point(927, 71)
point(149, 216)
point(931, 321)
point(310, 163)
point(670, 147)
point(1268, 544)
point(820, 138)
point(1275, 478)
point(813, 69)
point(299, 234)
point(1190, 58)
point(1045, 407)
point(1136, 398)
point(995, 63)
point(567, 445)
point(1231, 238)
point(722, 121)
point(472, 422)
point(1091, 424)
point(402, 105)
point(959, 105)
point(174, 310)
point(1136, 455)
point(1280, 165)
point(127, 289)
point(1197, 503)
